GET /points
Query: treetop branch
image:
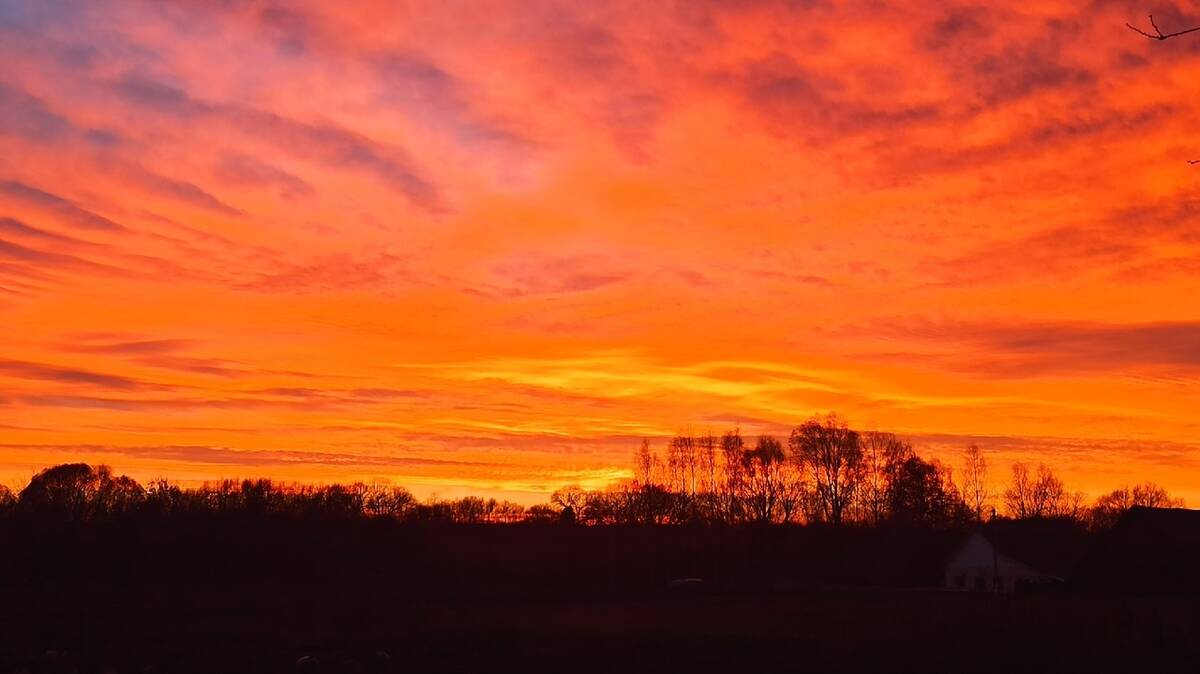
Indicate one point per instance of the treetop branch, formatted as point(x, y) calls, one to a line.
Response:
point(1158, 34)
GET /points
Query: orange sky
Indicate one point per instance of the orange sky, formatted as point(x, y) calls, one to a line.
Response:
point(487, 247)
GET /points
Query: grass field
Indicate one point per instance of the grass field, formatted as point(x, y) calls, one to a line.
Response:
point(270, 627)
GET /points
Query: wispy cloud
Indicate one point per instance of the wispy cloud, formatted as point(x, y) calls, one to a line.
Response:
point(320, 141)
point(70, 375)
point(69, 212)
point(1038, 349)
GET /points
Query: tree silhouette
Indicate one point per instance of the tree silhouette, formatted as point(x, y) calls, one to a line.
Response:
point(828, 473)
point(645, 463)
point(682, 459)
point(572, 497)
point(1111, 506)
point(388, 501)
point(1030, 497)
point(832, 455)
point(923, 494)
point(883, 454)
point(1021, 495)
point(975, 489)
point(763, 477)
point(732, 447)
point(706, 447)
point(77, 492)
point(7, 499)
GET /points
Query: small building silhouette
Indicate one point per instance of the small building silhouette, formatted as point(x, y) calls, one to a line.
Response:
point(1016, 556)
point(1148, 551)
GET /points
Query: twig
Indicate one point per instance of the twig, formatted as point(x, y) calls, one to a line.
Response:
point(1158, 34)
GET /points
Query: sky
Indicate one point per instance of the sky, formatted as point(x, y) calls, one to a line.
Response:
point(487, 247)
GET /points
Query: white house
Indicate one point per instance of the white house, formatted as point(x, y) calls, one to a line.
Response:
point(980, 566)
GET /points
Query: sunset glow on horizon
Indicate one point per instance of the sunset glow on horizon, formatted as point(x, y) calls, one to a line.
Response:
point(488, 247)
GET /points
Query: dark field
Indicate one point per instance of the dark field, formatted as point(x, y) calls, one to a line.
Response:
point(268, 626)
point(241, 593)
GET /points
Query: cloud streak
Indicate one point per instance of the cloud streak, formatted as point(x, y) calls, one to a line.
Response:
point(69, 375)
point(56, 205)
point(322, 142)
point(1022, 349)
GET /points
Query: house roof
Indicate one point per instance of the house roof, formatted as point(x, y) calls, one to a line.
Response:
point(1177, 528)
point(1148, 549)
point(1052, 546)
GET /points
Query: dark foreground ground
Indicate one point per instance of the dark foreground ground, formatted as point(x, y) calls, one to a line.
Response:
point(270, 627)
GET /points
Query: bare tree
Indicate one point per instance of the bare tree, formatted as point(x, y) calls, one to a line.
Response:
point(732, 447)
point(832, 455)
point(1048, 492)
point(383, 501)
point(77, 491)
point(644, 462)
point(1043, 496)
point(708, 500)
point(1111, 506)
point(1019, 496)
point(1073, 505)
point(793, 492)
point(674, 467)
point(923, 492)
point(572, 496)
point(706, 445)
point(1150, 495)
point(691, 461)
point(883, 453)
point(683, 451)
point(975, 490)
point(507, 512)
point(763, 468)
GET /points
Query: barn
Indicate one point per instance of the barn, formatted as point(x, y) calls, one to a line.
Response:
point(1148, 551)
point(1016, 556)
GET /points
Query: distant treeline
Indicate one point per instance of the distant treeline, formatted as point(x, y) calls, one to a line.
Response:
point(77, 492)
point(825, 472)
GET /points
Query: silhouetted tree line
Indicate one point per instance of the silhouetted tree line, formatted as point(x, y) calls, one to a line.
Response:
point(828, 473)
point(76, 524)
point(78, 492)
point(825, 472)
point(828, 506)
